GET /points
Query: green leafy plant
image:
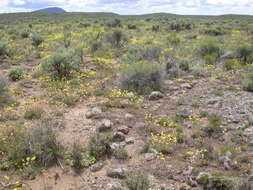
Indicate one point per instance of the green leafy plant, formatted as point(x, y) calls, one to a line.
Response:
point(138, 181)
point(16, 74)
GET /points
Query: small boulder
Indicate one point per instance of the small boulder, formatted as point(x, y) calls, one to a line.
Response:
point(123, 129)
point(96, 167)
point(114, 186)
point(117, 172)
point(149, 156)
point(186, 85)
point(105, 125)
point(94, 113)
point(118, 137)
point(155, 95)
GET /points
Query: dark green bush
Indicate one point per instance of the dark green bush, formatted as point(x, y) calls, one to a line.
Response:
point(214, 31)
point(245, 52)
point(15, 74)
point(62, 63)
point(184, 65)
point(4, 98)
point(229, 64)
point(209, 47)
point(211, 59)
point(248, 82)
point(173, 39)
point(95, 45)
point(152, 52)
point(141, 77)
point(133, 55)
point(24, 33)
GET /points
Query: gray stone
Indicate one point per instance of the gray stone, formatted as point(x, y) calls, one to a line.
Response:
point(105, 125)
point(149, 156)
point(129, 116)
point(155, 95)
point(117, 172)
point(212, 101)
point(130, 140)
point(94, 113)
point(250, 119)
point(115, 146)
point(114, 186)
point(186, 85)
point(96, 167)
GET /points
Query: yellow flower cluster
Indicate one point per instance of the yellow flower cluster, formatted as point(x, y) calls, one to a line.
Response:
point(165, 122)
point(163, 138)
point(117, 93)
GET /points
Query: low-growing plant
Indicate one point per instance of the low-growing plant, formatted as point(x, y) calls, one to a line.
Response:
point(248, 82)
point(62, 63)
point(120, 154)
point(173, 39)
point(16, 74)
point(116, 38)
point(141, 77)
point(229, 64)
point(24, 33)
point(211, 59)
point(33, 113)
point(4, 98)
point(138, 181)
point(152, 53)
point(184, 65)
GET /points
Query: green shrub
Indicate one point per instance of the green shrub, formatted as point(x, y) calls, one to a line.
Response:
point(62, 63)
point(4, 49)
point(24, 33)
point(138, 181)
point(211, 59)
point(116, 38)
point(173, 39)
point(245, 52)
point(141, 77)
point(16, 74)
point(37, 40)
point(38, 142)
point(79, 158)
point(33, 113)
point(248, 82)
point(152, 52)
point(133, 55)
point(214, 31)
point(229, 64)
point(120, 154)
point(184, 65)
point(4, 98)
point(95, 45)
point(209, 47)
point(99, 145)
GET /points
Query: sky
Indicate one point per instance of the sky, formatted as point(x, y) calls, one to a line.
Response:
point(127, 7)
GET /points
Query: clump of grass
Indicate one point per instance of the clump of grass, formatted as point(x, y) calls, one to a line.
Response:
point(120, 154)
point(116, 38)
point(138, 181)
point(141, 77)
point(33, 113)
point(245, 52)
point(62, 63)
point(229, 64)
point(248, 82)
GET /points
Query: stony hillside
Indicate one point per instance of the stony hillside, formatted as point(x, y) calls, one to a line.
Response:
point(154, 102)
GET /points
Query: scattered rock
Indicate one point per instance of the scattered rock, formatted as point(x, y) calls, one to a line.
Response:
point(115, 146)
point(123, 129)
point(183, 113)
point(114, 186)
point(250, 119)
point(106, 124)
point(149, 156)
point(155, 95)
point(117, 172)
point(118, 137)
point(96, 167)
point(212, 101)
point(129, 116)
point(186, 85)
point(130, 140)
point(94, 113)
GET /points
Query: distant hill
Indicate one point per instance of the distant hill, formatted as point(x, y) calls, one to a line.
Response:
point(51, 10)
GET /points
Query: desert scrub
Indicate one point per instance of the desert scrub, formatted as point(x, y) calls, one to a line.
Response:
point(25, 142)
point(99, 145)
point(245, 53)
point(141, 77)
point(209, 47)
point(24, 33)
point(37, 40)
point(4, 49)
point(248, 82)
point(116, 38)
point(33, 113)
point(4, 98)
point(62, 63)
point(138, 181)
point(79, 158)
point(16, 74)
point(152, 53)
point(230, 64)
